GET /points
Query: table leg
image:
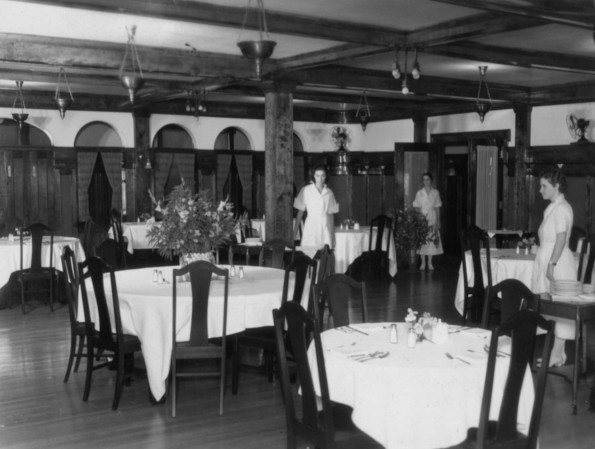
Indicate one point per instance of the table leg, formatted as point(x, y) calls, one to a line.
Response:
point(577, 361)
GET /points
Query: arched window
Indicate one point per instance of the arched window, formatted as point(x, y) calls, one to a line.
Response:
point(9, 135)
point(101, 176)
point(234, 170)
point(173, 162)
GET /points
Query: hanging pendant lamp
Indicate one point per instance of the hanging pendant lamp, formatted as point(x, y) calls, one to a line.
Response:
point(63, 101)
point(257, 50)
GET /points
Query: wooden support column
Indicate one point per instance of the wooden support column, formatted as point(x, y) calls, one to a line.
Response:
point(136, 188)
point(278, 173)
point(420, 128)
point(523, 191)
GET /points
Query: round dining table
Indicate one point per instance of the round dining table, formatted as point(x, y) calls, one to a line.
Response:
point(10, 254)
point(414, 397)
point(146, 310)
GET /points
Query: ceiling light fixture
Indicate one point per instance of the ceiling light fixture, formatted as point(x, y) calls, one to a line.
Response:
point(19, 117)
point(195, 103)
point(261, 49)
point(62, 101)
point(363, 111)
point(131, 73)
point(397, 72)
point(483, 105)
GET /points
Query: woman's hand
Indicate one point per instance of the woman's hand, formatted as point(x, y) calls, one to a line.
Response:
point(549, 274)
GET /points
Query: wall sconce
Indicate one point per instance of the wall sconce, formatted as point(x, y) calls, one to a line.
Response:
point(261, 49)
point(482, 107)
point(131, 73)
point(363, 111)
point(144, 158)
point(63, 102)
point(19, 117)
point(397, 72)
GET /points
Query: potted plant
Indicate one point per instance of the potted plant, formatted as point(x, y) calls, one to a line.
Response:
point(411, 232)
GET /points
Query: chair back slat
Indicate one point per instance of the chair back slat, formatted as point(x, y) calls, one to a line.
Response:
point(70, 270)
point(382, 223)
point(37, 232)
point(474, 239)
point(588, 254)
point(507, 297)
point(316, 425)
point(336, 290)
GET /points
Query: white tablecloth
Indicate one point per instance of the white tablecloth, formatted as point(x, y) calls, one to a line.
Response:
point(10, 254)
point(136, 234)
point(415, 398)
point(350, 244)
point(146, 311)
point(506, 264)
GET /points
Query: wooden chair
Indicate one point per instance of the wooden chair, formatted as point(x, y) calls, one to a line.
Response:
point(272, 254)
point(326, 263)
point(37, 279)
point(373, 264)
point(503, 433)
point(199, 347)
point(243, 249)
point(304, 269)
point(314, 420)
point(77, 328)
point(586, 260)
point(474, 239)
point(117, 343)
point(337, 290)
point(108, 250)
point(505, 299)
point(576, 234)
point(121, 241)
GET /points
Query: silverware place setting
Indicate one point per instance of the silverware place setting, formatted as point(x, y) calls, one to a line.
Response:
point(369, 356)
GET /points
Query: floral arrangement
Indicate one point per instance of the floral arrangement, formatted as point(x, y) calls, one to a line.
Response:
point(340, 137)
point(412, 230)
point(192, 223)
point(422, 326)
point(349, 223)
point(527, 242)
point(434, 236)
point(144, 216)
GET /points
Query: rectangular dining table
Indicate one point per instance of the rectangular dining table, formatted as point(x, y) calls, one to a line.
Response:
point(146, 311)
point(415, 397)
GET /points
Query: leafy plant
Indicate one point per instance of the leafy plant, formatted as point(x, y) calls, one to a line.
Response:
point(192, 223)
point(412, 230)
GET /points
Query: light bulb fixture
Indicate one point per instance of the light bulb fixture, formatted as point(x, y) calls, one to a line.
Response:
point(131, 73)
point(483, 105)
point(363, 111)
point(19, 104)
point(259, 50)
point(63, 101)
point(397, 73)
point(195, 103)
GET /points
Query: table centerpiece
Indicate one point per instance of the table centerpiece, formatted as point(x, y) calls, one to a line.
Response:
point(411, 233)
point(193, 225)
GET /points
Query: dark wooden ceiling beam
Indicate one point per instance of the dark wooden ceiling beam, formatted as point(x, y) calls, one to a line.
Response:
point(469, 27)
point(330, 56)
point(228, 16)
point(515, 57)
point(97, 58)
point(577, 13)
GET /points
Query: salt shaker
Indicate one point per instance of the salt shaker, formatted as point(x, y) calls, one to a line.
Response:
point(160, 277)
point(411, 339)
point(394, 336)
point(526, 251)
point(241, 272)
point(232, 271)
point(518, 251)
point(155, 275)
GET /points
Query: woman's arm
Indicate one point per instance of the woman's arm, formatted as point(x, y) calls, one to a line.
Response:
point(298, 222)
point(556, 253)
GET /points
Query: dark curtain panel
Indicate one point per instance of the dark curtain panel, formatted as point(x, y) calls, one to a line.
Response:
point(223, 164)
point(185, 163)
point(163, 163)
point(85, 161)
point(113, 167)
point(244, 164)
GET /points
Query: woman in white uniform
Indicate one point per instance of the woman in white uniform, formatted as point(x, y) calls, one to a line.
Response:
point(319, 201)
point(554, 260)
point(428, 202)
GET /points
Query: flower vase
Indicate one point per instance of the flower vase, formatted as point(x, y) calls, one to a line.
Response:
point(188, 258)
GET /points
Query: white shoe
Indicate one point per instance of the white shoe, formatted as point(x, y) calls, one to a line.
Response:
point(430, 267)
point(422, 267)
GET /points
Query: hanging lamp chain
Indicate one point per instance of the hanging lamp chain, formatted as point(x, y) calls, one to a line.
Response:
point(131, 52)
point(262, 20)
point(363, 101)
point(62, 75)
point(19, 97)
point(482, 80)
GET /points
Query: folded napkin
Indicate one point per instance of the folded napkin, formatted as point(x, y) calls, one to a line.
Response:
point(370, 327)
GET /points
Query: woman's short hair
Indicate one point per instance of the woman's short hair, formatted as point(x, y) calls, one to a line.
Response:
point(319, 167)
point(428, 174)
point(556, 177)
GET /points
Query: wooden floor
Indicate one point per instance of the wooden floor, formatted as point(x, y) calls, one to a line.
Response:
point(37, 410)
